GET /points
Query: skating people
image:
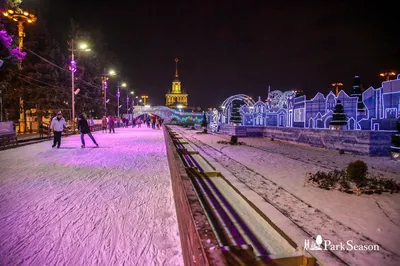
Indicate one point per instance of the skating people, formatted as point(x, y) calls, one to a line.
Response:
point(111, 124)
point(104, 124)
point(58, 124)
point(158, 123)
point(83, 128)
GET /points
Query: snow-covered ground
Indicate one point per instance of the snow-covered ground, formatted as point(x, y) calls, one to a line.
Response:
point(276, 171)
point(111, 205)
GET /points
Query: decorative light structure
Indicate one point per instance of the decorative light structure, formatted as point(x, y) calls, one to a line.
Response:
point(20, 17)
point(144, 98)
point(387, 75)
point(336, 85)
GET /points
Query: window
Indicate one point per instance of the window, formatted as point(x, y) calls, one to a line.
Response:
point(299, 115)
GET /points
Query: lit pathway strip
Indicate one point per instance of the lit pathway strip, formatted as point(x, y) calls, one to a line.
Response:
point(218, 211)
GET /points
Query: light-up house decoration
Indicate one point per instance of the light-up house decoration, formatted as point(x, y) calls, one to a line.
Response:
point(373, 109)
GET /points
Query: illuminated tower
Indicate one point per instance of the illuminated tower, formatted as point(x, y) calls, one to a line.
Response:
point(176, 98)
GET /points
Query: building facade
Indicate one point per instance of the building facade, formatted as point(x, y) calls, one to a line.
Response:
point(176, 97)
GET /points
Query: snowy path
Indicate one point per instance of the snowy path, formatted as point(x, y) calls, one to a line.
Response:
point(278, 179)
point(71, 206)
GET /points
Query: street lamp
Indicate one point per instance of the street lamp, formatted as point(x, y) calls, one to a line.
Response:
point(387, 74)
point(127, 102)
point(123, 84)
point(337, 85)
point(104, 79)
point(144, 98)
point(81, 47)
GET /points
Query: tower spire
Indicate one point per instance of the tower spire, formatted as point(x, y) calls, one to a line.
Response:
point(176, 68)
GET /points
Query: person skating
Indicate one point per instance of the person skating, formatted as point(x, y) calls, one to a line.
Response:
point(104, 124)
point(83, 128)
point(58, 124)
point(111, 124)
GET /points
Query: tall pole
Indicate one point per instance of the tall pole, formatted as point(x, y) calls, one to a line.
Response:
point(73, 86)
point(127, 104)
point(1, 107)
point(118, 102)
point(21, 34)
point(20, 16)
point(105, 94)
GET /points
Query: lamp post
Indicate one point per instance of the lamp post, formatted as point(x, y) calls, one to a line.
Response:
point(127, 102)
point(337, 85)
point(82, 47)
point(20, 16)
point(104, 79)
point(119, 94)
point(387, 75)
point(144, 98)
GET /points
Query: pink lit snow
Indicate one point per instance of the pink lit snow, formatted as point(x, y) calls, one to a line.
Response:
point(111, 205)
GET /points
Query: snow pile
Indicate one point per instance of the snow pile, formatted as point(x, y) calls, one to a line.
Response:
point(111, 205)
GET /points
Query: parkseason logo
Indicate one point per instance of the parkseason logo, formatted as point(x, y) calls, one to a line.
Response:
point(324, 244)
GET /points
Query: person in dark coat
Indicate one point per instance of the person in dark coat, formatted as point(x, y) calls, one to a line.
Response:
point(111, 123)
point(83, 128)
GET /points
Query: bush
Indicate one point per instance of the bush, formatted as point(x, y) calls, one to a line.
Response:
point(396, 140)
point(357, 172)
point(234, 140)
point(327, 180)
point(355, 176)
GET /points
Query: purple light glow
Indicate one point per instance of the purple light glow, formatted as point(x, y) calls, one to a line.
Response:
point(13, 54)
point(72, 198)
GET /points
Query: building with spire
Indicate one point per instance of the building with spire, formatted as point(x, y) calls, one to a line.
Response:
point(176, 97)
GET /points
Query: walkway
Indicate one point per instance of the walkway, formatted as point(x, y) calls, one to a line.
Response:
point(111, 205)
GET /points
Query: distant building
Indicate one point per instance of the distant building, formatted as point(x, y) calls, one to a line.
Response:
point(176, 97)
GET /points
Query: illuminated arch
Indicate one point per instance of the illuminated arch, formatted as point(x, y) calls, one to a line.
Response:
point(227, 105)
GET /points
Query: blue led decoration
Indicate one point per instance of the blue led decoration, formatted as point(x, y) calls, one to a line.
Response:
point(373, 109)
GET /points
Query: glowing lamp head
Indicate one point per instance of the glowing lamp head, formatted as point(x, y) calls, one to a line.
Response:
point(132, 92)
point(123, 85)
point(11, 11)
point(83, 46)
point(26, 13)
point(30, 21)
point(179, 106)
point(382, 74)
point(112, 73)
point(5, 14)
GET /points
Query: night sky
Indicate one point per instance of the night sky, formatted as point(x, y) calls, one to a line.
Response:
point(229, 47)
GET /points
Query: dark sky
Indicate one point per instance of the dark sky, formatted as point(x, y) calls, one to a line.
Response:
point(229, 47)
